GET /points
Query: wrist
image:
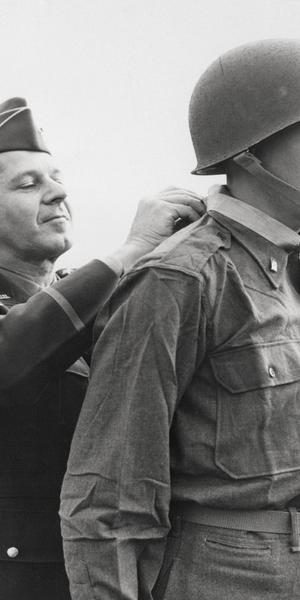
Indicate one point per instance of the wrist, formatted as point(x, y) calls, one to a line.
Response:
point(114, 263)
point(130, 252)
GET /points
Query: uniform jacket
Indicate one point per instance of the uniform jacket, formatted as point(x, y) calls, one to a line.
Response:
point(43, 380)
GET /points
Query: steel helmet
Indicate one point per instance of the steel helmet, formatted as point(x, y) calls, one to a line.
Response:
point(245, 96)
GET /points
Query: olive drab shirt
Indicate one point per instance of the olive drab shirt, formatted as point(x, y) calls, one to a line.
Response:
point(42, 385)
point(194, 397)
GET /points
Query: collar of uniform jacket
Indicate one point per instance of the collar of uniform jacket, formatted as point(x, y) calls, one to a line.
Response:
point(272, 240)
point(15, 285)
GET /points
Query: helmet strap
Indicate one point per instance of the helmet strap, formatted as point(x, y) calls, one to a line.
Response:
point(246, 160)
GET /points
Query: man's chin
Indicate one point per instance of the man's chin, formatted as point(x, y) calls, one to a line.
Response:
point(58, 247)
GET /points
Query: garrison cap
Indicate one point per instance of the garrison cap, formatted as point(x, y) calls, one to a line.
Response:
point(17, 128)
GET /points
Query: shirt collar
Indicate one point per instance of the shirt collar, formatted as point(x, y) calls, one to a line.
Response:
point(272, 230)
point(265, 238)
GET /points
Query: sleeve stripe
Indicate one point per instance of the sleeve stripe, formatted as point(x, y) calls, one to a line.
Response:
point(67, 308)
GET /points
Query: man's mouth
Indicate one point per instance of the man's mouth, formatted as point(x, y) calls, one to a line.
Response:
point(57, 218)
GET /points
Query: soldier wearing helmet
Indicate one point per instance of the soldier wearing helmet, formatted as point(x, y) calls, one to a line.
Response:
point(184, 475)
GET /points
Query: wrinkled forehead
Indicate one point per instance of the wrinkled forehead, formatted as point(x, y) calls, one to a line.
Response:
point(20, 161)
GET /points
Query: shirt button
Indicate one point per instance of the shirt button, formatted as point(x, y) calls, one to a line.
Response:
point(12, 552)
point(272, 372)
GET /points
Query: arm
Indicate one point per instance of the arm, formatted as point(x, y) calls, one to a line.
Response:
point(116, 494)
point(53, 328)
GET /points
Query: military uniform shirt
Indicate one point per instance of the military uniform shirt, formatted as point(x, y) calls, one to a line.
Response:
point(194, 397)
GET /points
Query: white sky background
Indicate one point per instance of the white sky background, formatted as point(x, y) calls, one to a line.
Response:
point(110, 82)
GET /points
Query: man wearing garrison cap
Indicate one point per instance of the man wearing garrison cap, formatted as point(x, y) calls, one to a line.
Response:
point(45, 332)
point(183, 481)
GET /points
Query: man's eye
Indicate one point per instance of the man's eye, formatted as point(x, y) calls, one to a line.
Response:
point(28, 184)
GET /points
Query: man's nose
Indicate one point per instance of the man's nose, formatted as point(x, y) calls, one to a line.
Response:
point(55, 193)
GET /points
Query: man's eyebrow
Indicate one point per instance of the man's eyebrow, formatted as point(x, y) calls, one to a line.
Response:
point(21, 174)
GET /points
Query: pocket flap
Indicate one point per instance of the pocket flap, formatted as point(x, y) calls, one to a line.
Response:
point(34, 534)
point(253, 367)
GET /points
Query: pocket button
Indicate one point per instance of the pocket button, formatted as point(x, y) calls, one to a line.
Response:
point(12, 552)
point(272, 372)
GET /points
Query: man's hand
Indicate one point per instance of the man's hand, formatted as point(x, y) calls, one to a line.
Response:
point(157, 218)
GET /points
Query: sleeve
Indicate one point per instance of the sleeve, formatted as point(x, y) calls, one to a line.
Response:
point(116, 493)
point(52, 329)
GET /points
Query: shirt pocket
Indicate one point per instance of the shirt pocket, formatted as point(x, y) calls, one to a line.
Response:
point(258, 409)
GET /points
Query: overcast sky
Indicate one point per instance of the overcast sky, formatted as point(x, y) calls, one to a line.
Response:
point(110, 82)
